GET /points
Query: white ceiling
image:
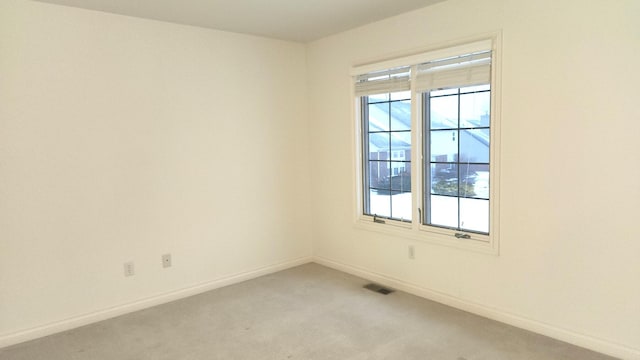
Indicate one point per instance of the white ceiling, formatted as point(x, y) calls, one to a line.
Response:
point(296, 20)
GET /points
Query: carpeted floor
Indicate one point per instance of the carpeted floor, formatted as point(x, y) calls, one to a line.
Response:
point(308, 312)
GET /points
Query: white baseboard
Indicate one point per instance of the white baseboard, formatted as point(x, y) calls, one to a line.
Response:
point(569, 336)
point(85, 319)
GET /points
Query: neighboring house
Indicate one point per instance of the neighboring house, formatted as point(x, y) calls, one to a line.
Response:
point(394, 147)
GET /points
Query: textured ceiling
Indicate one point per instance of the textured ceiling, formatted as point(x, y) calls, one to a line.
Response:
point(296, 20)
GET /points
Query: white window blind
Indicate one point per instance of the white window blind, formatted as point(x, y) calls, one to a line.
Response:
point(385, 81)
point(464, 70)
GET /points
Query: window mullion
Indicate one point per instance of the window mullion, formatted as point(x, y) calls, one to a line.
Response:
point(389, 159)
point(458, 162)
point(416, 152)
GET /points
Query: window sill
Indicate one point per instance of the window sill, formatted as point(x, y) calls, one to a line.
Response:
point(440, 237)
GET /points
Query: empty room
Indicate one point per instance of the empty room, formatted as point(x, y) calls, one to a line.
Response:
point(306, 179)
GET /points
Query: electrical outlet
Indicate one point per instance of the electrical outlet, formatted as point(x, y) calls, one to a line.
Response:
point(412, 252)
point(166, 260)
point(129, 269)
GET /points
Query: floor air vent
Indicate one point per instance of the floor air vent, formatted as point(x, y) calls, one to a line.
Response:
point(378, 288)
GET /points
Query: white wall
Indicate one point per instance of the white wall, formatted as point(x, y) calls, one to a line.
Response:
point(124, 139)
point(568, 263)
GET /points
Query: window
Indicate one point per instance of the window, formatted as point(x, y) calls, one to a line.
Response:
point(457, 146)
point(387, 144)
point(427, 139)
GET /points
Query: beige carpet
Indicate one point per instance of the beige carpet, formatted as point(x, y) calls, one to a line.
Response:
point(308, 312)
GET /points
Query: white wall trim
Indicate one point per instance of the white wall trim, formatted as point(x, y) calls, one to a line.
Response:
point(89, 318)
point(566, 335)
point(570, 336)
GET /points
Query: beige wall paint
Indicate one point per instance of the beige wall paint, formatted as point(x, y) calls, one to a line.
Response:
point(124, 139)
point(570, 163)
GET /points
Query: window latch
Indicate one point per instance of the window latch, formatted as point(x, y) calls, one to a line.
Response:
point(462, 236)
point(377, 220)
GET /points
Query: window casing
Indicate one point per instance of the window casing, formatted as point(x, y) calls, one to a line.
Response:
point(437, 175)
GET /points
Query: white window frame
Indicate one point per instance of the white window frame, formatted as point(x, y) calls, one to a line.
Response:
point(415, 230)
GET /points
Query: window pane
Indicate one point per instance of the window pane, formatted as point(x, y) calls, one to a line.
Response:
point(401, 206)
point(401, 176)
point(379, 203)
point(444, 211)
point(474, 215)
point(474, 110)
point(379, 117)
point(474, 145)
point(443, 112)
point(444, 179)
point(401, 144)
point(379, 144)
point(444, 145)
point(401, 115)
point(379, 174)
point(474, 181)
point(378, 97)
point(401, 154)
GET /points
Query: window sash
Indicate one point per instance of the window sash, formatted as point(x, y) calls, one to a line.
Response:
point(396, 180)
point(427, 162)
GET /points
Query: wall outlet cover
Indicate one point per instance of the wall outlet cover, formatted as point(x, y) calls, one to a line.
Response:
point(129, 269)
point(166, 260)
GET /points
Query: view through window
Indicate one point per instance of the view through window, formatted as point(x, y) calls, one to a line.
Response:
point(387, 129)
point(457, 144)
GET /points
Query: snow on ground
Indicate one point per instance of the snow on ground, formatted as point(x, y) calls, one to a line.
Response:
point(474, 213)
